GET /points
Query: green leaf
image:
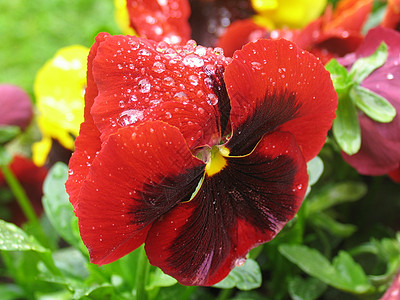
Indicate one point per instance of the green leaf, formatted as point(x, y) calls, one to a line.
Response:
point(373, 105)
point(322, 220)
point(11, 292)
point(345, 274)
point(346, 127)
point(315, 167)
point(350, 271)
point(366, 65)
point(13, 238)
point(7, 133)
point(57, 206)
point(336, 194)
point(245, 277)
point(339, 75)
point(305, 289)
point(159, 279)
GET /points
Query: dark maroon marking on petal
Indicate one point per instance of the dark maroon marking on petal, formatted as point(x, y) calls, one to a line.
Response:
point(158, 197)
point(224, 105)
point(260, 190)
point(275, 110)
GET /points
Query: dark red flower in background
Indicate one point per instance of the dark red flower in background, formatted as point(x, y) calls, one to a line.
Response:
point(31, 178)
point(334, 34)
point(199, 156)
point(176, 21)
point(380, 142)
point(16, 106)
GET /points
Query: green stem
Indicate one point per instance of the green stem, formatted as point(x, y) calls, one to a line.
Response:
point(142, 271)
point(20, 195)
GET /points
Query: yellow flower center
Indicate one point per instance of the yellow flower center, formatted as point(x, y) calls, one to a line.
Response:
point(217, 161)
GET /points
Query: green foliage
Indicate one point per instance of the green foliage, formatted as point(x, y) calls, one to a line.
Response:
point(346, 127)
point(344, 273)
point(7, 133)
point(245, 277)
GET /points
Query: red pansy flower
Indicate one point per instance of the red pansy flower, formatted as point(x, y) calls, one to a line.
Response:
point(199, 156)
point(380, 142)
point(31, 178)
point(334, 34)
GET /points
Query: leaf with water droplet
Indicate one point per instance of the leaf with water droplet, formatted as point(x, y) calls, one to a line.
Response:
point(373, 105)
point(13, 238)
point(245, 277)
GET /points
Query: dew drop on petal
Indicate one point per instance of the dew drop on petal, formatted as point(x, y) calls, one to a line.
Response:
point(389, 76)
point(192, 60)
point(240, 262)
point(144, 85)
point(194, 80)
point(180, 96)
point(121, 103)
point(212, 99)
point(169, 81)
point(158, 67)
point(133, 98)
point(144, 52)
point(129, 117)
point(256, 65)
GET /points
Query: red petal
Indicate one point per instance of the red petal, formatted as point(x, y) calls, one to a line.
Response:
point(395, 175)
point(140, 173)
point(240, 33)
point(392, 15)
point(274, 85)
point(161, 20)
point(242, 206)
point(136, 76)
point(88, 143)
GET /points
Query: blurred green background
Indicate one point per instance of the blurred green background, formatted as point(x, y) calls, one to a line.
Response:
point(31, 32)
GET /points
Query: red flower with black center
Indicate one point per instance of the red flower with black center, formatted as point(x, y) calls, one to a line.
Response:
point(199, 156)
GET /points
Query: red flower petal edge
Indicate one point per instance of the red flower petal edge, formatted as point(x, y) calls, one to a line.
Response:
point(290, 90)
point(118, 203)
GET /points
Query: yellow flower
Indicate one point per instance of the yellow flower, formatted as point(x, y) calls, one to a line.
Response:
point(287, 13)
point(59, 90)
point(122, 17)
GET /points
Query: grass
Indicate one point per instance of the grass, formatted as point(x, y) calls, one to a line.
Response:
point(32, 31)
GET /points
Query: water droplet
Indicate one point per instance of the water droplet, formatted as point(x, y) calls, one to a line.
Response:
point(119, 66)
point(133, 98)
point(158, 67)
point(218, 51)
point(194, 80)
point(121, 103)
point(200, 50)
point(144, 85)
point(169, 81)
point(129, 117)
point(180, 96)
point(162, 46)
point(168, 115)
point(256, 65)
point(144, 52)
point(192, 60)
point(212, 99)
point(70, 172)
point(240, 262)
point(389, 76)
